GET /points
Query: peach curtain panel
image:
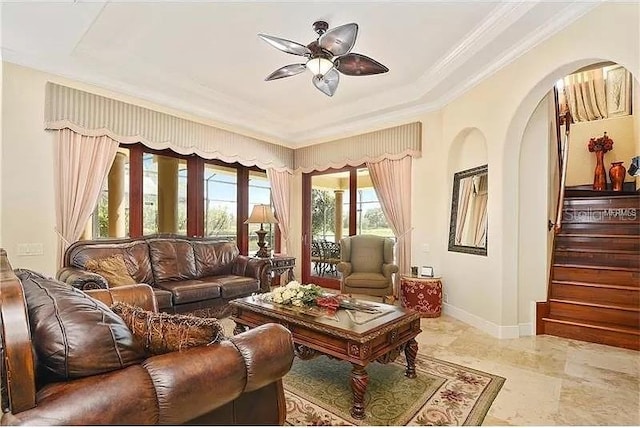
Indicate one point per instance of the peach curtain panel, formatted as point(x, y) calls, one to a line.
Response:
point(585, 95)
point(390, 143)
point(81, 164)
point(392, 182)
point(280, 188)
point(91, 114)
point(480, 211)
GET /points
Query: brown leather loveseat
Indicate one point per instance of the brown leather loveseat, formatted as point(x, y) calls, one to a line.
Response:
point(82, 365)
point(188, 275)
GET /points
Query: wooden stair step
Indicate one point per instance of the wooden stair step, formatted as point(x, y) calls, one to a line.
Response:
point(595, 312)
point(602, 332)
point(611, 228)
point(598, 257)
point(595, 293)
point(596, 274)
point(597, 241)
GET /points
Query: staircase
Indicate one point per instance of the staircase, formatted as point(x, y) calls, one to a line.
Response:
point(594, 290)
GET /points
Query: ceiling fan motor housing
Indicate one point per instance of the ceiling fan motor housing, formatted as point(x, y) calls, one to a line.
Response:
point(320, 27)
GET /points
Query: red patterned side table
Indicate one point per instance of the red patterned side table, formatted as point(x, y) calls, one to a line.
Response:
point(422, 294)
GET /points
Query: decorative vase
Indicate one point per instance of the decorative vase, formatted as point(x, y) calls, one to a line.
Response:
point(617, 172)
point(599, 175)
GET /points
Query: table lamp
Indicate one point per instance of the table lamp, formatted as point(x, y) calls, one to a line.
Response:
point(262, 214)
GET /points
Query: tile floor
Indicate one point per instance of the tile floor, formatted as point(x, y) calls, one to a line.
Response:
point(550, 380)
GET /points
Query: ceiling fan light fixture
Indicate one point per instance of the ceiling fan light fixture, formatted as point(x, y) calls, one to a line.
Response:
point(319, 66)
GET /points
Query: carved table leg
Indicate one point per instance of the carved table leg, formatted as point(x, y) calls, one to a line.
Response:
point(410, 351)
point(359, 381)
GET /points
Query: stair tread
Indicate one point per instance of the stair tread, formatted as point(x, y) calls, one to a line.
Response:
point(594, 324)
point(598, 235)
point(597, 305)
point(596, 285)
point(573, 265)
point(597, 250)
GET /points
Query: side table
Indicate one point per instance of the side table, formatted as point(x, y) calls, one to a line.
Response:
point(281, 264)
point(422, 294)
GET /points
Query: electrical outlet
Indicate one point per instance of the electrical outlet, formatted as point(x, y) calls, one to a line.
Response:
point(445, 297)
point(426, 248)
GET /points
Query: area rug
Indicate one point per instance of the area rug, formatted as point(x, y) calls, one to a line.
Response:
point(318, 393)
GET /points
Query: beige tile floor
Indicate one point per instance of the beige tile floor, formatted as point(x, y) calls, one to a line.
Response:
point(550, 380)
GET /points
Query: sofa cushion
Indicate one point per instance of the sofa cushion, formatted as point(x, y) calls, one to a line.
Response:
point(214, 258)
point(164, 298)
point(134, 253)
point(192, 290)
point(232, 286)
point(366, 280)
point(74, 335)
point(161, 332)
point(112, 268)
point(171, 259)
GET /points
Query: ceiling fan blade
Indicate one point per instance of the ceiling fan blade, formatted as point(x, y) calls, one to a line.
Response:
point(354, 64)
point(287, 71)
point(328, 83)
point(286, 45)
point(339, 40)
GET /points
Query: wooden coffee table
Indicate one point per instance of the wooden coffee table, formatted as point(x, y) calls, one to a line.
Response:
point(352, 336)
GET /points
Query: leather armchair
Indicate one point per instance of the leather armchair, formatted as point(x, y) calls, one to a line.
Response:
point(366, 265)
point(237, 381)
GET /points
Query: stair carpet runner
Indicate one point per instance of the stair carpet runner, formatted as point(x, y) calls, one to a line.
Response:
point(594, 291)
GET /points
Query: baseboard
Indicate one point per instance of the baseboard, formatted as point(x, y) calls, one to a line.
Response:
point(495, 330)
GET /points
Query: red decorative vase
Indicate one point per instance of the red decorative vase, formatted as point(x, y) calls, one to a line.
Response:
point(617, 172)
point(600, 175)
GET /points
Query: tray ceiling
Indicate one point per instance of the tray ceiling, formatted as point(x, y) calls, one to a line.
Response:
point(205, 58)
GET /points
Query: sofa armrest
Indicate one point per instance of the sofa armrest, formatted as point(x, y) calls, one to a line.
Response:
point(140, 295)
point(253, 267)
point(198, 380)
point(388, 269)
point(344, 268)
point(82, 279)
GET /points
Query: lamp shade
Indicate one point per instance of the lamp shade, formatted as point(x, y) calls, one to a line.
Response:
point(261, 214)
point(319, 66)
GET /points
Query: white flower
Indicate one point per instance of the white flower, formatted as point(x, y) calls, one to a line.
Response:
point(278, 299)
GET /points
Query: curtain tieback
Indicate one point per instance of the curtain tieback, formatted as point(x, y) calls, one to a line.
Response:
point(62, 238)
point(405, 233)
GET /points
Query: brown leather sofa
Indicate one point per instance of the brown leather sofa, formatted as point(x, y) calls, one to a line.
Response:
point(236, 381)
point(188, 275)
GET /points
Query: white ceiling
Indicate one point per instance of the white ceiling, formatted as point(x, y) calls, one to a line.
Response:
point(205, 58)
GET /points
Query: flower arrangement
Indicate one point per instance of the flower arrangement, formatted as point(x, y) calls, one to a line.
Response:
point(601, 144)
point(295, 294)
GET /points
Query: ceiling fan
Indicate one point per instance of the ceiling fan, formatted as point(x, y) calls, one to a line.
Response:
point(328, 54)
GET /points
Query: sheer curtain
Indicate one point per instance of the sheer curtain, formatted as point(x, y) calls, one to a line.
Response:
point(480, 211)
point(585, 95)
point(81, 164)
point(392, 183)
point(280, 188)
point(464, 198)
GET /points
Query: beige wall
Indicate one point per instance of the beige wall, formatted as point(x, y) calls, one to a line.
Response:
point(533, 212)
point(582, 163)
point(483, 291)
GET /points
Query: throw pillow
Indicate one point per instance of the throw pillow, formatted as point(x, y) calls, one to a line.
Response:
point(74, 335)
point(161, 332)
point(112, 268)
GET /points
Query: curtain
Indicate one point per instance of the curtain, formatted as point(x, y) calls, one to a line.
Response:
point(480, 211)
point(464, 198)
point(392, 183)
point(585, 94)
point(81, 165)
point(280, 190)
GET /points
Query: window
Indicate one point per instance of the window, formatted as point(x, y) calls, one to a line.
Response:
point(370, 219)
point(111, 217)
point(259, 193)
point(220, 201)
point(151, 191)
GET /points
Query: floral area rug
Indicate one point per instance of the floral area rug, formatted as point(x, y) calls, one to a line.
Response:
point(318, 393)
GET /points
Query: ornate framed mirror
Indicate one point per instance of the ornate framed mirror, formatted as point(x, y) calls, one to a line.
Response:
point(468, 227)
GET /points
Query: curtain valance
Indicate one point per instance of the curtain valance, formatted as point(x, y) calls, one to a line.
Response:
point(94, 115)
point(391, 143)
